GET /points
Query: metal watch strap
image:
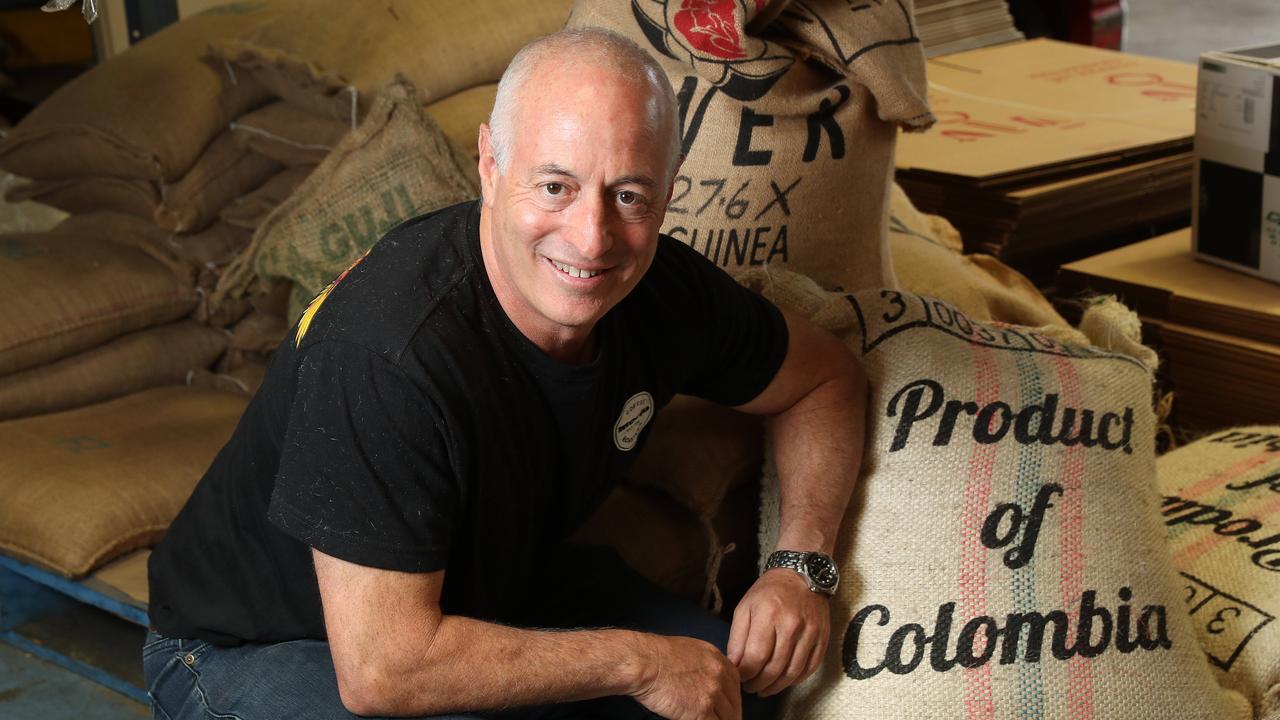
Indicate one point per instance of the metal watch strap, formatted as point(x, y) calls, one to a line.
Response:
point(798, 561)
point(789, 559)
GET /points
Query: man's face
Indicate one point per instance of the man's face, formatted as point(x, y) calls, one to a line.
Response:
point(573, 221)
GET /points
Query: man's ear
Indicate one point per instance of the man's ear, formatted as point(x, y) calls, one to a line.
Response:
point(488, 166)
point(671, 186)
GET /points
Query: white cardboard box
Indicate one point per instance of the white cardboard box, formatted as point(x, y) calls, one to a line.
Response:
point(1236, 208)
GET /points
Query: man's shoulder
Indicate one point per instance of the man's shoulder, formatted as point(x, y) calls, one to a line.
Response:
point(383, 300)
point(679, 274)
point(673, 250)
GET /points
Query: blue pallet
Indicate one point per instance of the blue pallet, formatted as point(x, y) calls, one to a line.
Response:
point(28, 593)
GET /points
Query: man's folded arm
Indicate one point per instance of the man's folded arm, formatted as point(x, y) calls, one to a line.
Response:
point(396, 653)
point(817, 408)
point(817, 402)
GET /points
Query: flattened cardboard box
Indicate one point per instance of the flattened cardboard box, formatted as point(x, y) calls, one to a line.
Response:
point(950, 26)
point(1236, 215)
point(1160, 279)
point(1218, 330)
point(1012, 111)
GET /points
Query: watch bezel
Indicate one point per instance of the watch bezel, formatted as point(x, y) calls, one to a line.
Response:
point(798, 562)
point(815, 584)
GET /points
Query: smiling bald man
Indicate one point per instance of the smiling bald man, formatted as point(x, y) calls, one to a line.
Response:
point(384, 533)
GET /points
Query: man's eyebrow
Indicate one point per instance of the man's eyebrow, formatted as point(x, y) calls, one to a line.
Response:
point(644, 180)
point(553, 169)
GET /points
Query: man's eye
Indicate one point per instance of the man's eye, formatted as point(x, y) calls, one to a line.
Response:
point(626, 197)
point(553, 189)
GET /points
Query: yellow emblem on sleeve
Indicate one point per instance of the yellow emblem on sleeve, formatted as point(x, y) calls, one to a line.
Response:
point(304, 322)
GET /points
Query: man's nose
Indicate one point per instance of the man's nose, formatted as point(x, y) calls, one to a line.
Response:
point(591, 225)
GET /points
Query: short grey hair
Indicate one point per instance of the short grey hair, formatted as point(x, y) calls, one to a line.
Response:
point(598, 45)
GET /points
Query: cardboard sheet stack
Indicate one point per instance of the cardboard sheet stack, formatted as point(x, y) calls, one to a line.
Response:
point(1045, 152)
point(950, 26)
point(1218, 330)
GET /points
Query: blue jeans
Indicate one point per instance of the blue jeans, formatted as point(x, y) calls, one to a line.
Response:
point(196, 680)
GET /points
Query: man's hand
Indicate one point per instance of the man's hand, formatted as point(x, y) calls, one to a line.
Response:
point(689, 679)
point(780, 632)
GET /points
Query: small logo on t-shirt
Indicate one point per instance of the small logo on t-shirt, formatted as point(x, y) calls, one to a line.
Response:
point(636, 413)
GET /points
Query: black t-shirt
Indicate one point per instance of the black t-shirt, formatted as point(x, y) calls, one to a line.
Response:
point(407, 424)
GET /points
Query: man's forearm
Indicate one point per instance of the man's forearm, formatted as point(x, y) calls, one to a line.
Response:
point(395, 653)
point(818, 451)
point(817, 404)
point(473, 665)
point(780, 628)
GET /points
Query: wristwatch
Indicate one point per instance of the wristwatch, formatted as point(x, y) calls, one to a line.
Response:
point(818, 569)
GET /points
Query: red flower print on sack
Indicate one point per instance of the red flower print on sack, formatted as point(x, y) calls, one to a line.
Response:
point(709, 26)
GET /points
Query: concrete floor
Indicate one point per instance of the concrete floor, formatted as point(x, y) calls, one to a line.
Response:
point(32, 689)
point(1182, 29)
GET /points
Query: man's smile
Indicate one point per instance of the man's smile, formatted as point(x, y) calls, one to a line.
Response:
point(574, 272)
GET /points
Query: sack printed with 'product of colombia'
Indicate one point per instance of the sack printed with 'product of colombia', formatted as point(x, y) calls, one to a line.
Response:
point(789, 112)
point(1003, 555)
point(1222, 510)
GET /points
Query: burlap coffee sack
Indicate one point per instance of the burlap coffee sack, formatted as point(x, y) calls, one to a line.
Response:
point(92, 278)
point(1110, 325)
point(927, 258)
point(789, 113)
point(252, 340)
point(288, 133)
point(128, 574)
point(697, 452)
point(271, 296)
point(224, 172)
point(244, 380)
point(1222, 511)
point(710, 559)
point(396, 165)
point(1002, 556)
point(128, 364)
point(206, 279)
point(223, 315)
point(331, 57)
point(145, 113)
point(214, 246)
point(698, 455)
point(25, 216)
point(657, 537)
point(459, 116)
point(80, 487)
point(258, 332)
point(734, 568)
point(91, 194)
point(249, 210)
point(264, 295)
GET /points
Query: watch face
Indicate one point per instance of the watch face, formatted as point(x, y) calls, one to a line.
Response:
point(822, 571)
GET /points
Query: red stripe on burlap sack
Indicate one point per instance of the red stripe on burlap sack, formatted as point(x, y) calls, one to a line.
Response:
point(1189, 554)
point(1226, 476)
point(1071, 531)
point(978, 701)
